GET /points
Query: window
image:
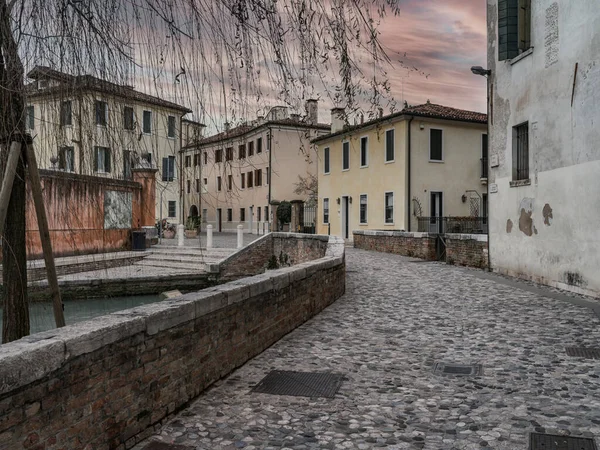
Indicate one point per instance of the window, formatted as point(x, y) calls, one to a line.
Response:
point(127, 164)
point(390, 153)
point(241, 151)
point(168, 168)
point(363, 209)
point(266, 213)
point(243, 181)
point(30, 119)
point(258, 214)
point(196, 159)
point(514, 28)
point(249, 182)
point(171, 127)
point(101, 113)
point(197, 184)
point(66, 159)
point(219, 156)
point(229, 214)
point(218, 183)
point(325, 210)
point(147, 122)
point(521, 152)
point(484, 156)
point(268, 175)
point(205, 158)
point(346, 156)
point(189, 186)
point(66, 113)
point(147, 157)
point(326, 160)
point(230, 182)
point(242, 214)
point(128, 121)
point(435, 145)
point(389, 207)
point(229, 154)
point(102, 159)
point(205, 180)
point(259, 145)
point(484, 208)
point(250, 148)
point(258, 177)
point(172, 208)
point(364, 151)
point(188, 161)
point(204, 215)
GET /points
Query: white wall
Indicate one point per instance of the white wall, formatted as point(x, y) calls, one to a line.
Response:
point(564, 152)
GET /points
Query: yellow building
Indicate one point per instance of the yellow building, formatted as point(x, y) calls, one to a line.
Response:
point(86, 125)
point(233, 178)
point(424, 161)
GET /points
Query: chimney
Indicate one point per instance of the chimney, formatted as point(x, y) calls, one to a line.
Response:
point(312, 111)
point(295, 117)
point(380, 113)
point(338, 119)
point(227, 127)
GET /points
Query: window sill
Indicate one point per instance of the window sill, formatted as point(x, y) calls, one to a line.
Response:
point(363, 224)
point(518, 183)
point(523, 55)
point(326, 173)
point(345, 170)
point(436, 161)
point(390, 162)
point(388, 224)
point(364, 167)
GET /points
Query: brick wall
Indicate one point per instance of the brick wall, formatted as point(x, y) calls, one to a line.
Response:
point(467, 250)
point(417, 245)
point(106, 384)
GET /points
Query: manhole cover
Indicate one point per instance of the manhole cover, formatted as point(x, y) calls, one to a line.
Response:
point(457, 369)
point(165, 446)
point(583, 352)
point(540, 441)
point(300, 384)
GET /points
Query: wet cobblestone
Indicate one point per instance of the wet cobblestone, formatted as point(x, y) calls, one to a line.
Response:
point(396, 320)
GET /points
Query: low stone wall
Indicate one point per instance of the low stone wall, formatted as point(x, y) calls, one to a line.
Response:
point(461, 249)
point(40, 273)
point(105, 384)
point(417, 245)
point(467, 250)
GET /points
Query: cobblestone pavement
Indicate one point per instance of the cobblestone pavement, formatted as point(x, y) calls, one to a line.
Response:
point(396, 320)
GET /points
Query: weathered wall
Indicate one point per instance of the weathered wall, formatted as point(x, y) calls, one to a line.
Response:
point(75, 206)
point(105, 384)
point(417, 245)
point(548, 230)
point(467, 250)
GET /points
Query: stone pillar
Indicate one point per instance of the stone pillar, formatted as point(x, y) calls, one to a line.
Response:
point(240, 236)
point(297, 216)
point(209, 236)
point(180, 234)
point(274, 221)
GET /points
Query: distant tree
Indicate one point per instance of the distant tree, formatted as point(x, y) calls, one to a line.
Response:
point(284, 213)
point(308, 186)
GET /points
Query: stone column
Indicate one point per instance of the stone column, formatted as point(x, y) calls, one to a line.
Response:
point(274, 222)
point(209, 236)
point(180, 235)
point(297, 216)
point(240, 236)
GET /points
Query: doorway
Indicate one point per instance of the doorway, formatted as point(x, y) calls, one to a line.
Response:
point(437, 212)
point(345, 217)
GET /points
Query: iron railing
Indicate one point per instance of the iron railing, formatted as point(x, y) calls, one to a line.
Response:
point(443, 225)
point(484, 167)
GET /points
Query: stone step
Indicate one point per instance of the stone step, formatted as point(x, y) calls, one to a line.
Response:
point(187, 251)
point(199, 267)
point(192, 259)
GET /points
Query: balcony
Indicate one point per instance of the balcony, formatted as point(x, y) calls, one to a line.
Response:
point(443, 225)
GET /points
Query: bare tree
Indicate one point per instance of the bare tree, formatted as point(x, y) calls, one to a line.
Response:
point(308, 186)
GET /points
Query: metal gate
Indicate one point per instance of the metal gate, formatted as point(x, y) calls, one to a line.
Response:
point(309, 220)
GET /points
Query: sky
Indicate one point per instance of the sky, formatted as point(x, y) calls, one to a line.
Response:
point(442, 39)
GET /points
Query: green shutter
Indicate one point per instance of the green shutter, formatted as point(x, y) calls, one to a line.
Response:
point(508, 29)
point(107, 160)
point(95, 159)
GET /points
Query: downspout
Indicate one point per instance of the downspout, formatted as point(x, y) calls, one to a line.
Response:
point(408, 193)
point(80, 123)
point(181, 171)
point(270, 171)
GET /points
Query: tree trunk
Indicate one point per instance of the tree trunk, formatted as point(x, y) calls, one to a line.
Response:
point(15, 314)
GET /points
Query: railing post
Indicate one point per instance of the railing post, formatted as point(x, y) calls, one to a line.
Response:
point(240, 236)
point(209, 236)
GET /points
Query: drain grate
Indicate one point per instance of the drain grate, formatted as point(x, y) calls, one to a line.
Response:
point(457, 369)
point(584, 352)
point(155, 445)
point(539, 441)
point(300, 384)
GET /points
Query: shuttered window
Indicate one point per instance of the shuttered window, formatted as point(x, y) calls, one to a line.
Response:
point(514, 28)
point(168, 168)
point(102, 159)
point(435, 145)
point(390, 153)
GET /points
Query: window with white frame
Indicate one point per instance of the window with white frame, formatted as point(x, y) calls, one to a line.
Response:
point(346, 156)
point(325, 210)
point(66, 116)
point(171, 127)
point(435, 145)
point(128, 118)
point(390, 151)
point(389, 207)
point(147, 122)
point(172, 208)
point(30, 120)
point(66, 159)
point(326, 160)
point(102, 159)
point(101, 113)
point(168, 168)
point(363, 209)
point(364, 151)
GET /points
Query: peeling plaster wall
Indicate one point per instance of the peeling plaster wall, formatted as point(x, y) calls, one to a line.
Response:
point(548, 231)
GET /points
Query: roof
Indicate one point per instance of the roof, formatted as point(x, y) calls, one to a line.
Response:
point(70, 83)
point(429, 110)
point(248, 128)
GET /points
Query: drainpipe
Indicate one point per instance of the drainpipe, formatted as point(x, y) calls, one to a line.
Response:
point(408, 200)
point(270, 171)
point(181, 181)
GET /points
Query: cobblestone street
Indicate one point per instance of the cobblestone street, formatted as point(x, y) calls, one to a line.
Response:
point(398, 318)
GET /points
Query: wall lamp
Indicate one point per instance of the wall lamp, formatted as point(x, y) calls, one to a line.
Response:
point(478, 70)
point(338, 200)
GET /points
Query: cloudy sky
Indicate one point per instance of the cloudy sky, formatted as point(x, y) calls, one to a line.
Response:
point(443, 39)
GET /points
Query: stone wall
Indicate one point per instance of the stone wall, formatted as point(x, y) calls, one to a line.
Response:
point(107, 383)
point(417, 245)
point(467, 250)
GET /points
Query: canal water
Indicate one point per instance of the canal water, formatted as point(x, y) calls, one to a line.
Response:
point(41, 315)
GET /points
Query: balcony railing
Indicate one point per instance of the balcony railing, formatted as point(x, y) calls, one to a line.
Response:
point(463, 225)
point(484, 167)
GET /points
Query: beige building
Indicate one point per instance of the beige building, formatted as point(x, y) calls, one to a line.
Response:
point(234, 177)
point(85, 125)
point(424, 161)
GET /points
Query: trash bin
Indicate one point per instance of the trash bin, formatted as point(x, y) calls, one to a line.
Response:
point(138, 241)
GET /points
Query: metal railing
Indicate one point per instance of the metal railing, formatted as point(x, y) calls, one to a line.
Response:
point(484, 167)
point(443, 225)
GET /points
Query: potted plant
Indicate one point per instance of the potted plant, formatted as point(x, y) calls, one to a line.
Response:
point(168, 229)
point(191, 227)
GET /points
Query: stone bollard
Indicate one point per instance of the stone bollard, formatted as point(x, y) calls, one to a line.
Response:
point(240, 236)
point(209, 240)
point(180, 234)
